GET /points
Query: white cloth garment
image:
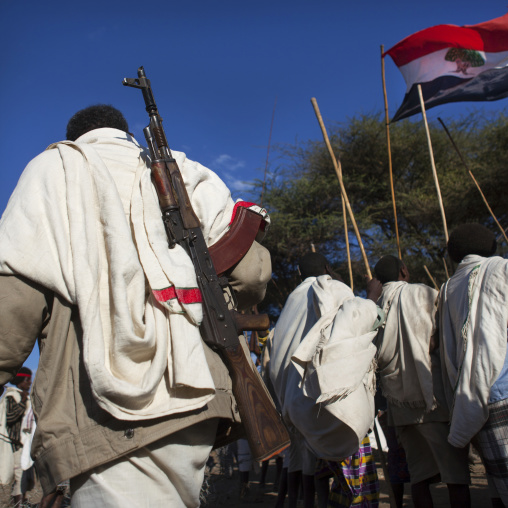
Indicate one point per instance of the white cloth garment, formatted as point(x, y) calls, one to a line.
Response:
point(165, 474)
point(322, 365)
point(473, 322)
point(403, 357)
point(6, 453)
point(84, 222)
point(244, 456)
point(28, 427)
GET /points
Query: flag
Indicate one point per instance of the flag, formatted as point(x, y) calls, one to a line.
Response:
point(453, 64)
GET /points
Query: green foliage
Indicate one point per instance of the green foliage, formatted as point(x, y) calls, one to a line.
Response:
point(303, 195)
point(474, 58)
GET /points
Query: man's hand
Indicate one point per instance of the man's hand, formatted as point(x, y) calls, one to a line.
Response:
point(374, 289)
point(24, 396)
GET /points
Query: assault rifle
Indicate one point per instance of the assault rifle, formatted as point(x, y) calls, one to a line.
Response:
point(263, 425)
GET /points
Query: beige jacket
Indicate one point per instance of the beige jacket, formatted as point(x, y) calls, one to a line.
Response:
point(73, 433)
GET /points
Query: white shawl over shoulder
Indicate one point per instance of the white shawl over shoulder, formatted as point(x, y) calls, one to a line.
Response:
point(323, 366)
point(403, 357)
point(6, 453)
point(474, 317)
point(84, 222)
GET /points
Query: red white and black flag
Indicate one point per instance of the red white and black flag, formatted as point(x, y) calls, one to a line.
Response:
point(453, 64)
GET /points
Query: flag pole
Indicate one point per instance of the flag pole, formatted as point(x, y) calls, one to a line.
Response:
point(387, 123)
point(474, 179)
point(431, 153)
point(338, 170)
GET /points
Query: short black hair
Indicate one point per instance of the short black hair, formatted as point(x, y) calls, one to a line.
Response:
point(388, 268)
point(312, 264)
point(25, 372)
point(95, 117)
point(471, 238)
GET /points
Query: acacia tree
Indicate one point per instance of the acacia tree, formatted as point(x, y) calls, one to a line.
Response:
point(303, 195)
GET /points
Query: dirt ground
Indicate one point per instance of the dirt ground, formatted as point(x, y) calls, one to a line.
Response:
point(221, 491)
point(33, 496)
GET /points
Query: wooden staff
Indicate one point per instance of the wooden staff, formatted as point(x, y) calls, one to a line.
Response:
point(338, 170)
point(346, 236)
point(387, 123)
point(272, 280)
point(431, 278)
point(431, 153)
point(254, 338)
point(446, 269)
point(344, 213)
point(474, 179)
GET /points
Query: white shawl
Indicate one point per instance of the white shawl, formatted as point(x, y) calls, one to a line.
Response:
point(28, 427)
point(474, 317)
point(403, 357)
point(6, 453)
point(327, 389)
point(84, 222)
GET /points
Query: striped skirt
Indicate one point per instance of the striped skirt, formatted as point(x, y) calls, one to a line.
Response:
point(492, 444)
point(355, 481)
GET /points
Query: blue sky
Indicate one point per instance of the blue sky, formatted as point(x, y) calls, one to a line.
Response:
point(216, 68)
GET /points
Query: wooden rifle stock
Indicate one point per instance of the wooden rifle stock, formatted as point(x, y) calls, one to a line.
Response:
point(266, 434)
point(264, 428)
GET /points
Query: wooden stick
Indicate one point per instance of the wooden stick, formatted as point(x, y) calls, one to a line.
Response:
point(434, 172)
point(346, 232)
point(312, 247)
point(431, 278)
point(446, 269)
point(346, 236)
point(280, 293)
point(338, 170)
point(387, 123)
point(474, 180)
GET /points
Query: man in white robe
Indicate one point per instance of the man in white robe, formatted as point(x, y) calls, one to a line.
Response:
point(128, 398)
point(321, 365)
point(473, 325)
point(410, 378)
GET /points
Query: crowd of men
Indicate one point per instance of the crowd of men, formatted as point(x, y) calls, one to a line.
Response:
point(442, 370)
point(129, 400)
